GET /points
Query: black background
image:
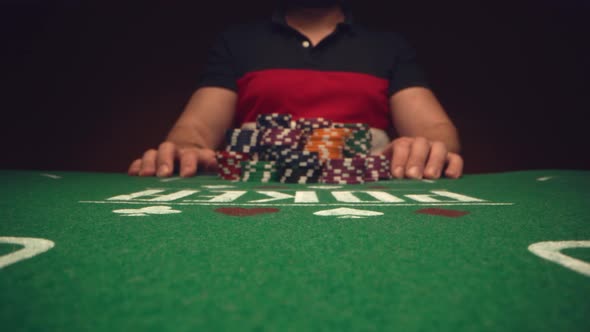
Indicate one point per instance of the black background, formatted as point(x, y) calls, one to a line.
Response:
point(90, 85)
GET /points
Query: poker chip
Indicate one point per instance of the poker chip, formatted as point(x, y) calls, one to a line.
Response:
point(307, 150)
point(327, 142)
point(242, 140)
point(299, 167)
point(308, 125)
point(300, 175)
point(273, 120)
point(359, 141)
point(281, 137)
point(347, 170)
point(377, 167)
point(259, 171)
point(229, 164)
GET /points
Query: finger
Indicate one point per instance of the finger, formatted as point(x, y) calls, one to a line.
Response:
point(387, 151)
point(148, 163)
point(401, 152)
point(165, 162)
point(455, 166)
point(189, 158)
point(207, 160)
point(134, 167)
point(436, 160)
point(417, 159)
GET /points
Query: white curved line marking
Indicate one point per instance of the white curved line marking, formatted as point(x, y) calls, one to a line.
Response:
point(32, 248)
point(51, 176)
point(171, 179)
point(550, 250)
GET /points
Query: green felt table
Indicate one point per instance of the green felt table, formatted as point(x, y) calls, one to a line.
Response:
point(108, 252)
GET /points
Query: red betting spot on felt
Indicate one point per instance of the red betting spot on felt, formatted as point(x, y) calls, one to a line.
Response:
point(443, 212)
point(245, 212)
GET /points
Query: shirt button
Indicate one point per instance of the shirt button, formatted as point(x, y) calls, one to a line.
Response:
point(305, 44)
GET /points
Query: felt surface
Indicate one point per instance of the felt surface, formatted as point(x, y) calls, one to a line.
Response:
point(7, 248)
point(288, 269)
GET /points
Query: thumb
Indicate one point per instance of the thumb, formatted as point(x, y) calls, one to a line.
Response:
point(387, 151)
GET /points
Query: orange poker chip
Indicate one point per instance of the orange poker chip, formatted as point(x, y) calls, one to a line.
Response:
point(331, 131)
point(329, 143)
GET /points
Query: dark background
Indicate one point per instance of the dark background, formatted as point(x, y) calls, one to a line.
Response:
point(89, 85)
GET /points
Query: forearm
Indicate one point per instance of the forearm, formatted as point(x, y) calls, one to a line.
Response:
point(416, 112)
point(207, 116)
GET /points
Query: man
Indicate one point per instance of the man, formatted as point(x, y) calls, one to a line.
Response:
point(312, 61)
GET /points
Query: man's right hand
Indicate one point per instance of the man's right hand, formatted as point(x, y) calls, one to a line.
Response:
point(161, 162)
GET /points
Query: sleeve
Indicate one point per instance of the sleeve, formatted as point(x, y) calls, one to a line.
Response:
point(219, 70)
point(406, 71)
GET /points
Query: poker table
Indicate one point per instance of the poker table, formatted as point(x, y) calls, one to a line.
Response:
point(109, 252)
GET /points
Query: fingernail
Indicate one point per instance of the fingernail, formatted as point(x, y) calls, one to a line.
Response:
point(163, 171)
point(398, 172)
point(433, 172)
point(414, 172)
point(185, 171)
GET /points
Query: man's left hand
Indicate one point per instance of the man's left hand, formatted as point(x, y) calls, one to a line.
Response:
point(418, 158)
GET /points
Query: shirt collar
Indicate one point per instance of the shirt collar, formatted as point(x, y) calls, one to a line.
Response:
point(279, 18)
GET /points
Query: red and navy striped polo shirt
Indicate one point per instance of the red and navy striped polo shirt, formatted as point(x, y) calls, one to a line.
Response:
point(348, 77)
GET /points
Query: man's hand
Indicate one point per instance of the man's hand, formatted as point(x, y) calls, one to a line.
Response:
point(161, 162)
point(417, 158)
point(209, 113)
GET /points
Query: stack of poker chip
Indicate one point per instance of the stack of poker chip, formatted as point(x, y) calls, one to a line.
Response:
point(273, 120)
point(377, 167)
point(303, 151)
point(242, 140)
point(274, 141)
point(300, 167)
point(328, 142)
point(344, 171)
point(230, 164)
point(359, 140)
point(259, 171)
